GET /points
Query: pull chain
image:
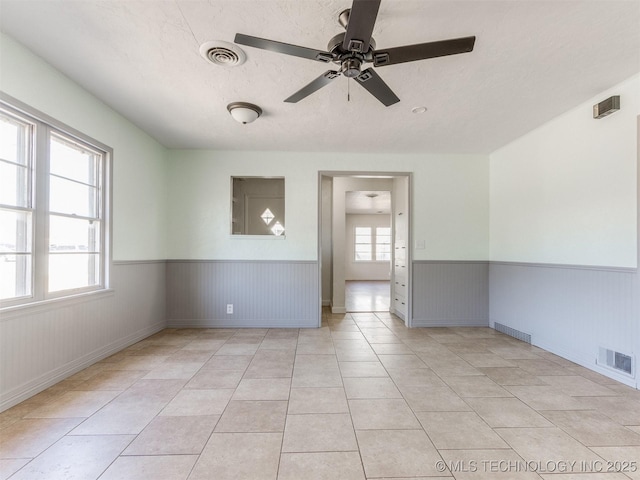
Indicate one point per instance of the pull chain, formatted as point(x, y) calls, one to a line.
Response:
point(348, 90)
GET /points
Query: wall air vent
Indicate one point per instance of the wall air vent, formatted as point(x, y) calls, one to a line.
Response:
point(617, 361)
point(512, 332)
point(606, 107)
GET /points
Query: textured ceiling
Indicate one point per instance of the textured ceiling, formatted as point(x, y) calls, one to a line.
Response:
point(368, 202)
point(533, 60)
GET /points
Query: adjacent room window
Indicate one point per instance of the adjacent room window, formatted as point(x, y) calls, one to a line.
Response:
point(383, 244)
point(372, 244)
point(53, 209)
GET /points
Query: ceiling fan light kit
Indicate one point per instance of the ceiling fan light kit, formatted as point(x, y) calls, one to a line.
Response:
point(243, 112)
point(354, 48)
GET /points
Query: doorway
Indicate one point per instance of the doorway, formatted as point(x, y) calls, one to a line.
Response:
point(341, 289)
point(367, 296)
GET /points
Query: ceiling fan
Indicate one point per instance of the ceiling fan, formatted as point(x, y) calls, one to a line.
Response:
point(354, 48)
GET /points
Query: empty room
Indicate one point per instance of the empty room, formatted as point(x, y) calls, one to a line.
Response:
point(304, 239)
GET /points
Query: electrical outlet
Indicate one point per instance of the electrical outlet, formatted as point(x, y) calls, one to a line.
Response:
point(229, 308)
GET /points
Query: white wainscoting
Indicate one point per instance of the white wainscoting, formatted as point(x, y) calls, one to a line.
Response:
point(570, 310)
point(450, 294)
point(278, 294)
point(40, 346)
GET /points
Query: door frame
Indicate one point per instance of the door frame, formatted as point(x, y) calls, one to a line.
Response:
point(370, 174)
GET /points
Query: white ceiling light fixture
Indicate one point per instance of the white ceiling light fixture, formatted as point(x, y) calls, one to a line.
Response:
point(419, 109)
point(243, 112)
point(223, 54)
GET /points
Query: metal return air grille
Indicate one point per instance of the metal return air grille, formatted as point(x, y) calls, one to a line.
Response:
point(616, 360)
point(512, 332)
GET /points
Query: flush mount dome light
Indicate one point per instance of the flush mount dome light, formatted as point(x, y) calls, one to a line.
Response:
point(221, 53)
point(243, 112)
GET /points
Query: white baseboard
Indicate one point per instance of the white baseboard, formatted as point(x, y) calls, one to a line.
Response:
point(583, 360)
point(240, 323)
point(35, 386)
point(435, 322)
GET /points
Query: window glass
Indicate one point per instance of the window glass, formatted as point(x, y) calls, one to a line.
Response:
point(74, 192)
point(73, 235)
point(257, 206)
point(383, 243)
point(372, 244)
point(69, 271)
point(15, 276)
point(73, 161)
point(72, 198)
point(363, 247)
point(16, 218)
point(52, 209)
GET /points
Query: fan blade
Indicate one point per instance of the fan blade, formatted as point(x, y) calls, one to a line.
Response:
point(372, 82)
point(422, 51)
point(317, 84)
point(285, 48)
point(360, 26)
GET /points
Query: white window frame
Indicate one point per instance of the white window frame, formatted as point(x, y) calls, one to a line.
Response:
point(374, 243)
point(43, 127)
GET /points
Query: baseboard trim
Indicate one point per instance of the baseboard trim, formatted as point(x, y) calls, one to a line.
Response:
point(279, 262)
point(584, 361)
point(239, 323)
point(435, 322)
point(29, 389)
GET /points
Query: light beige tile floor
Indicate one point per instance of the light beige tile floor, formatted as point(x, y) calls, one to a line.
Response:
point(361, 398)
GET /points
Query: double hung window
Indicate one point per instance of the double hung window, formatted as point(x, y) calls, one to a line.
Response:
point(53, 209)
point(372, 244)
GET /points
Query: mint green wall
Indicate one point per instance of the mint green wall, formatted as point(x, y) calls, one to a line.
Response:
point(566, 192)
point(450, 202)
point(139, 186)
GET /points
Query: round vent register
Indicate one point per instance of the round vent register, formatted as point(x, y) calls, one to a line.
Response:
point(224, 54)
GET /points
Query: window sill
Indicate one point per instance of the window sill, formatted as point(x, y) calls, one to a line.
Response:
point(45, 305)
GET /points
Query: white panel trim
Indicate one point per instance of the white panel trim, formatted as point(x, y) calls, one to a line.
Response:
point(237, 323)
point(28, 389)
point(434, 322)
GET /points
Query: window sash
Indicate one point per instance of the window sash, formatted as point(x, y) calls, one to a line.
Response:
point(88, 245)
point(372, 244)
point(77, 206)
point(17, 135)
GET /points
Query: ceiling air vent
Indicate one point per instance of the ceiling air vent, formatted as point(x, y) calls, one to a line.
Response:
point(224, 54)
